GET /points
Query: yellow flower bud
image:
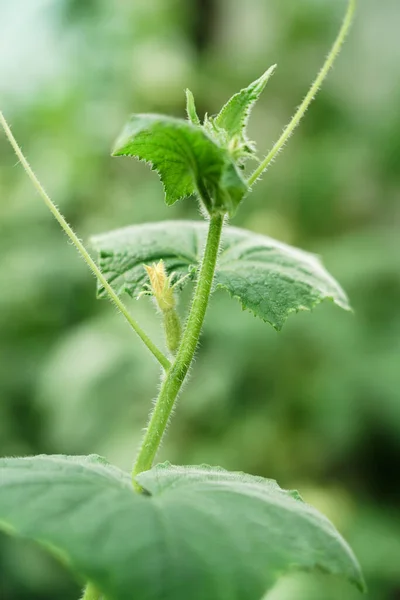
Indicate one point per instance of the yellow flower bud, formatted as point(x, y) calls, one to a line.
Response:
point(163, 292)
point(161, 286)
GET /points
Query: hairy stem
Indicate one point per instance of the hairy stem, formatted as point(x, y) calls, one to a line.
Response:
point(162, 359)
point(289, 129)
point(175, 376)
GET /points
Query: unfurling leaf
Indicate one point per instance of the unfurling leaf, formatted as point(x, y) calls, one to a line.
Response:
point(191, 108)
point(199, 532)
point(187, 160)
point(234, 116)
point(269, 278)
point(229, 126)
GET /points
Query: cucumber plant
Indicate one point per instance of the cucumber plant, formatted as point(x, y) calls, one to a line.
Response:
point(169, 532)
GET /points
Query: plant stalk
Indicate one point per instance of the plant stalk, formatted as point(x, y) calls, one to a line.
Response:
point(289, 129)
point(162, 359)
point(175, 376)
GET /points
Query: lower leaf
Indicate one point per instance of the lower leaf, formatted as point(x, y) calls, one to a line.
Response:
point(201, 532)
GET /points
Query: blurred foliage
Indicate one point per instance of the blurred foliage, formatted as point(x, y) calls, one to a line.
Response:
point(317, 406)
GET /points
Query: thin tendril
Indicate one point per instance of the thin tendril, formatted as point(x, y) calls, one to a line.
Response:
point(289, 129)
point(163, 360)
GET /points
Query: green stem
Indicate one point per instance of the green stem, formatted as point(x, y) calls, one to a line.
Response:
point(163, 360)
point(173, 329)
point(289, 129)
point(91, 593)
point(175, 376)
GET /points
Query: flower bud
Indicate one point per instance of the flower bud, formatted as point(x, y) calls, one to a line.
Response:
point(161, 286)
point(163, 292)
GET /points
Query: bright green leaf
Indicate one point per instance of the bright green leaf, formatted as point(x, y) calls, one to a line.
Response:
point(200, 532)
point(269, 278)
point(234, 115)
point(187, 160)
point(228, 128)
point(191, 108)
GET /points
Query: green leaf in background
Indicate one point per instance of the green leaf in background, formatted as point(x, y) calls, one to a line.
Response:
point(187, 160)
point(200, 531)
point(269, 278)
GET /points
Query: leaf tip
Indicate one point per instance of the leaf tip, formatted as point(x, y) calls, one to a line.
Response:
point(191, 108)
point(117, 149)
point(270, 71)
point(262, 81)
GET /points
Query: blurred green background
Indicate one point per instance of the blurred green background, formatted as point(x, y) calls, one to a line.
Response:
point(317, 406)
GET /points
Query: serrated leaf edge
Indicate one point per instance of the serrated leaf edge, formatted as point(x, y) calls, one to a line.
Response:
point(259, 85)
point(294, 495)
point(65, 559)
point(279, 326)
point(177, 122)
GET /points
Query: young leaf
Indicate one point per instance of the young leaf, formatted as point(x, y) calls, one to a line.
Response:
point(191, 108)
point(200, 532)
point(234, 115)
point(269, 278)
point(187, 160)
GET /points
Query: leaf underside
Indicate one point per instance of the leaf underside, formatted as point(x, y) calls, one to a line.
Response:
point(269, 278)
point(187, 160)
point(199, 532)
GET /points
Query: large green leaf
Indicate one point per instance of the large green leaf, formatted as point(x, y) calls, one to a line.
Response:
point(269, 278)
point(187, 160)
point(198, 533)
